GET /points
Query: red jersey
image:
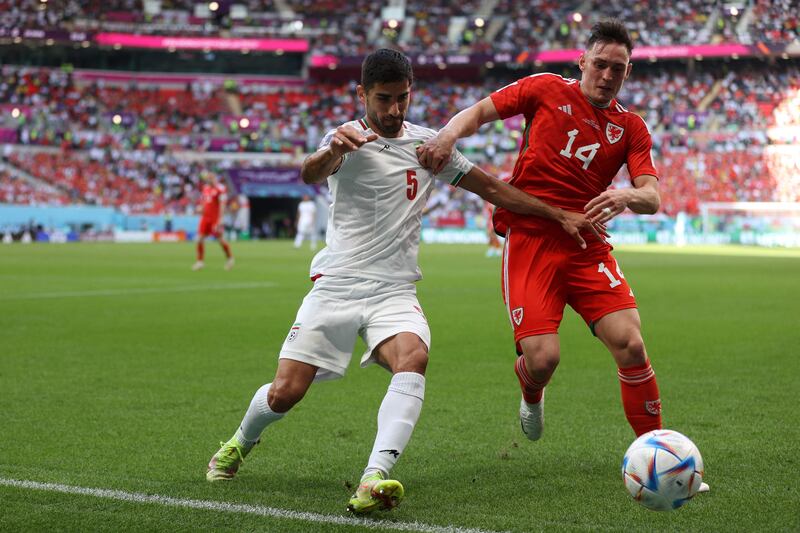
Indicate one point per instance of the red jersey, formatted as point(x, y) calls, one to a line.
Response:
point(571, 149)
point(212, 196)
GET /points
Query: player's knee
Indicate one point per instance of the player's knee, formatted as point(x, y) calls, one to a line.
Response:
point(284, 394)
point(633, 352)
point(544, 364)
point(542, 355)
point(541, 359)
point(415, 360)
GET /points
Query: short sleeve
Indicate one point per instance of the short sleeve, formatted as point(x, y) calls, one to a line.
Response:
point(520, 97)
point(640, 157)
point(326, 140)
point(455, 169)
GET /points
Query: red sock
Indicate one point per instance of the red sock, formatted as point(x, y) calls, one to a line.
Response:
point(640, 398)
point(532, 390)
point(226, 248)
point(200, 250)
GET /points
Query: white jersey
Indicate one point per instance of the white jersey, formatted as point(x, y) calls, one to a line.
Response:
point(378, 194)
point(306, 210)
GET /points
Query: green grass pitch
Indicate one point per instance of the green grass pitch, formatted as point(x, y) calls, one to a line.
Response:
point(121, 369)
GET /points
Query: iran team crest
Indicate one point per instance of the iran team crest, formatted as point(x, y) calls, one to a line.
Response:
point(614, 132)
point(516, 315)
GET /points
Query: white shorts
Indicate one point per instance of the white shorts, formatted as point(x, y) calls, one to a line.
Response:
point(337, 309)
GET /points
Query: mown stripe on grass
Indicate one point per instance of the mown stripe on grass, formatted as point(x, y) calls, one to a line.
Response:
point(138, 290)
point(260, 510)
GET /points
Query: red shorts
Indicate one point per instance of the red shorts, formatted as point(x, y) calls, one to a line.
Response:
point(544, 271)
point(207, 227)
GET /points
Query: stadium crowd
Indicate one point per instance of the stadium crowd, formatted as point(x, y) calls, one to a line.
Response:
point(16, 190)
point(429, 26)
point(134, 182)
point(105, 143)
point(53, 110)
point(710, 131)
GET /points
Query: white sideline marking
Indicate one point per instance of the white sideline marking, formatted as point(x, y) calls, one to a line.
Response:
point(259, 510)
point(139, 290)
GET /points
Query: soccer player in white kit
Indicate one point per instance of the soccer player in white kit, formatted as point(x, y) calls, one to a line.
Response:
point(364, 277)
point(306, 222)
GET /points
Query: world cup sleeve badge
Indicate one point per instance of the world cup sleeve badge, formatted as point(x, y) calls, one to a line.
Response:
point(293, 332)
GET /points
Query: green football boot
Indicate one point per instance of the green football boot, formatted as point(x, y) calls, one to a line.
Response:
point(376, 493)
point(226, 462)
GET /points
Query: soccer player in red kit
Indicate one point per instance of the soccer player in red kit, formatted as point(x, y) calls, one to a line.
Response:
point(577, 137)
point(214, 195)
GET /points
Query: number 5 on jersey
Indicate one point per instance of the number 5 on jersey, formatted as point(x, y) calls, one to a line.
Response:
point(411, 184)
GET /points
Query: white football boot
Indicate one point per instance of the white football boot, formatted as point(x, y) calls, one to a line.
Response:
point(531, 418)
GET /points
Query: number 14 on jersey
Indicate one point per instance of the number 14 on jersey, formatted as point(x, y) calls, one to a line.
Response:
point(584, 153)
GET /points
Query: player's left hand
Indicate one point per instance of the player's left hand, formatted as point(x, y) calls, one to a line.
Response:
point(575, 223)
point(606, 205)
point(435, 153)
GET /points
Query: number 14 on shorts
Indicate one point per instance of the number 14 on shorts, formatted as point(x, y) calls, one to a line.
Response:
point(613, 282)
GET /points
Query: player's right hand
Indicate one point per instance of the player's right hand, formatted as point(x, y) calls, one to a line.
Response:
point(574, 223)
point(347, 139)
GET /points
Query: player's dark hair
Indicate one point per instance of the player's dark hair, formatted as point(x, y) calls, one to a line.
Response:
point(610, 31)
point(385, 66)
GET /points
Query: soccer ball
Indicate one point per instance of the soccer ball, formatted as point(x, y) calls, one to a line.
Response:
point(662, 470)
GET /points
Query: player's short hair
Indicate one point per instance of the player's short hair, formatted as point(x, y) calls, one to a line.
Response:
point(385, 66)
point(610, 31)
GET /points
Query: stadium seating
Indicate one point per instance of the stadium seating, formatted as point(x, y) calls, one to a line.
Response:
point(14, 190)
point(134, 182)
point(775, 21)
point(432, 26)
point(715, 126)
point(709, 131)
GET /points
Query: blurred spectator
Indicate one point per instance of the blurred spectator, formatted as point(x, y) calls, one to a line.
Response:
point(430, 26)
point(15, 190)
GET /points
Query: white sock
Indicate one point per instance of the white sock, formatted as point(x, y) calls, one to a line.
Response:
point(397, 417)
point(257, 417)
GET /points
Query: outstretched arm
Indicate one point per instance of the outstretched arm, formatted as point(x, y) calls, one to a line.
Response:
point(435, 153)
point(509, 197)
point(322, 163)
